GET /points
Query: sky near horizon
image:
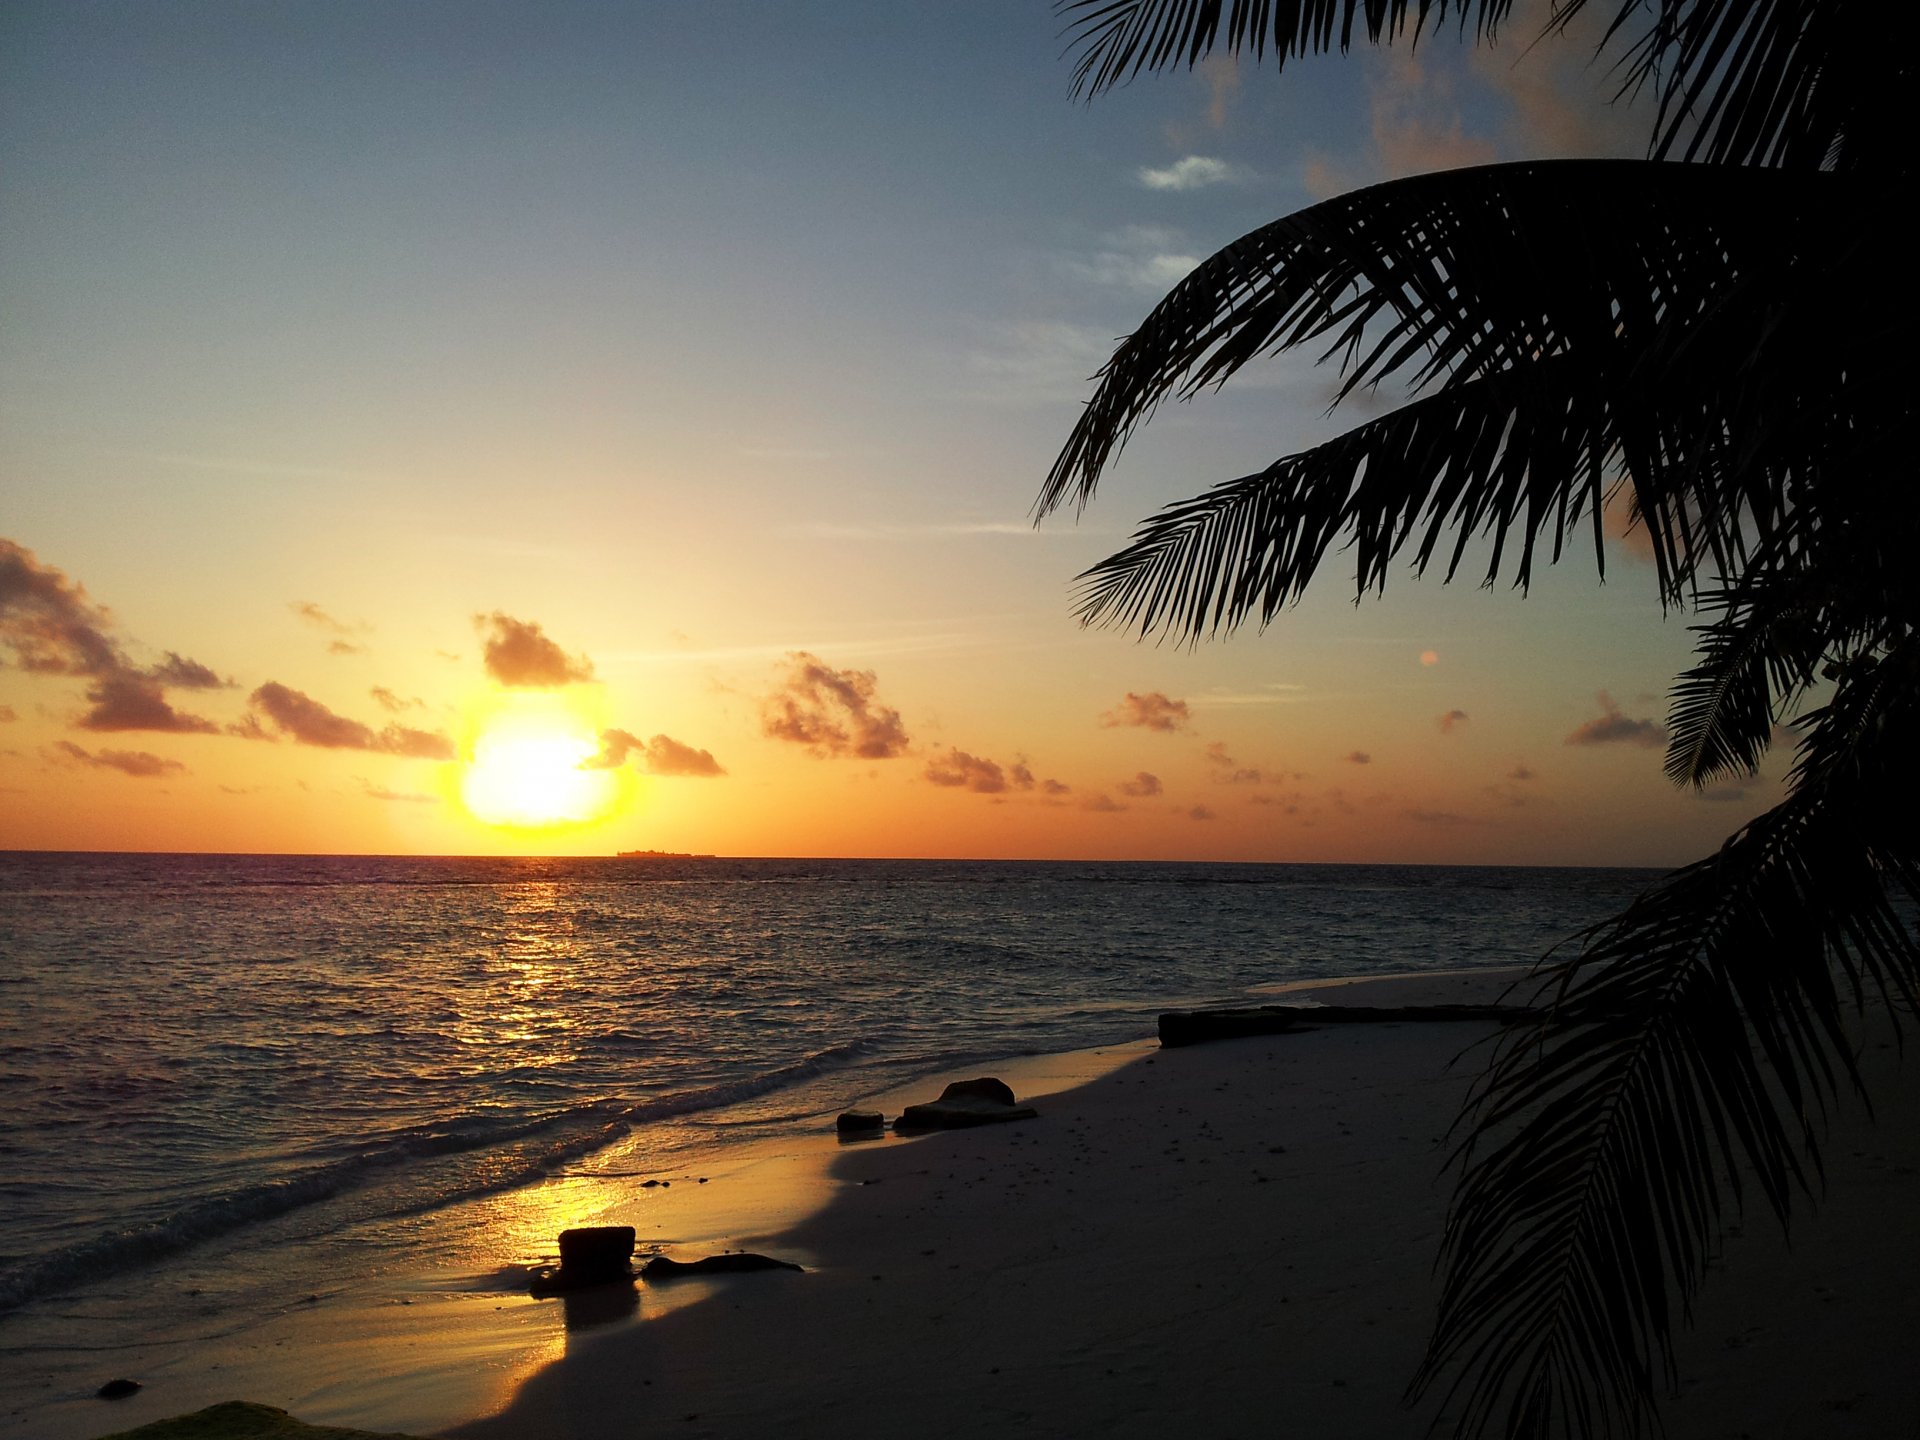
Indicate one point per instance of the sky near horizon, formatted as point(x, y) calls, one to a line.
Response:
point(510, 428)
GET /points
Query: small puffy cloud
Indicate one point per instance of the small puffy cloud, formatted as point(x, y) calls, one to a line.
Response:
point(1055, 787)
point(345, 647)
point(128, 701)
point(307, 722)
point(662, 755)
point(1020, 775)
point(137, 763)
point(1200, 812)
point(1519, 772)
point(1452, 718)
point(1152, 711)
point(1195, 172)
point(1429, 657)
point(667, 756)
point(181, 673)
point(317, 617)
point(1358, 757)
point(1141, 786)
point(1613, 727)
point(1229, 771)
point(1102, 804)
point(387, 700)
point(959, 770)
point(7, 717)
point(832, 712)
point(414, 744)
point(518, 654)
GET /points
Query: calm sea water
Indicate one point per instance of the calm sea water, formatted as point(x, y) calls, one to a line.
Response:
point(203, 1055)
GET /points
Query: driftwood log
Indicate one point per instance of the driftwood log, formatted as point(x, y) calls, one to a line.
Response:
point(1194, 1027)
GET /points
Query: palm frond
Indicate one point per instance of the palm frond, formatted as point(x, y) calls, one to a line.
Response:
point(1695, 1039)
point(1661, 278)
point(1118, 39)
point(1801, 84)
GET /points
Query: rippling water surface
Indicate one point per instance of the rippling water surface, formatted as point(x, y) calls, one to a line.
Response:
point(194, 1046)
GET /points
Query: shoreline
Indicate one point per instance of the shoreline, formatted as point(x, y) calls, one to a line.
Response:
point(1214, 1237)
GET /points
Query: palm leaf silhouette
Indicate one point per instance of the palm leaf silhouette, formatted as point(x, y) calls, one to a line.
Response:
point(1713, 332)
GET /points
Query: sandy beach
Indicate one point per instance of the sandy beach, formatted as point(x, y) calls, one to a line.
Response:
point(1234, 1239)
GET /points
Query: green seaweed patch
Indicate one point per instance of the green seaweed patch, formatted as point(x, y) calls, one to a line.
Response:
point(243, 1420)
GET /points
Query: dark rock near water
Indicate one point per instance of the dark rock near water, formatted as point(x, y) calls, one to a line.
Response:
point(118, 1389)
point(860, 1122)
point(965, 1103)
point(1193, 1027)
point(661, 1268)
point(589, 1255)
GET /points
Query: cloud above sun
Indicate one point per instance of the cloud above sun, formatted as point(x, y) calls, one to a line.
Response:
point(833, 713)
point(519, 655)
point(662, 755)
point(306, 721)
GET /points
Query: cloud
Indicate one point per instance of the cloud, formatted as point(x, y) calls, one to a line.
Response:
point(832, 712)
point(184, 674)
point(387, 700)
point(411, 797)
point(130, 701)
point(1152, 711)
point(1429, 657)
point(1141, 786)
point(345, 647)
point(1452, 718)
point(519, 655)
point(1233, 772)
point(1055, 787)
point(662, 755)
point(1441, 819)
point(1028, 364)
point(958, 769)
point(1358, 757)
point(1195, 172)
point(1519, 772)
point(1612, 727)
point(48, 622)
point(1200, 812)
point(7, 717)
point(52, 628)
point(137, 763)
point(1102, 804)
point(317, 617)
point(1147, 258)
point(1020, 775)
point(308, 722)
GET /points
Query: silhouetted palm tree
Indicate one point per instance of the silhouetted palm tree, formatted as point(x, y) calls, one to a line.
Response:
point(1716, 331)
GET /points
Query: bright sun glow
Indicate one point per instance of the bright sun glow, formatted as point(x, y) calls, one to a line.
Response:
point(526, 767)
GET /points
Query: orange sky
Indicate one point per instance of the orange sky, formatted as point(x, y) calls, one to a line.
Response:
point(411, 434)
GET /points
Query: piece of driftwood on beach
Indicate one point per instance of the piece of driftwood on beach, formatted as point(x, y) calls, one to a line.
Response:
point(1194, 1027)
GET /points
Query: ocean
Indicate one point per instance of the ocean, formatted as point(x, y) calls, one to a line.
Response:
point(218, 1069)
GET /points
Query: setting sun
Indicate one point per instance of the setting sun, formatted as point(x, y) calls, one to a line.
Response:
point(530, 767)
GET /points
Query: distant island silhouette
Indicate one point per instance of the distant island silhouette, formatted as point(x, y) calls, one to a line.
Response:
point(658, 855)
